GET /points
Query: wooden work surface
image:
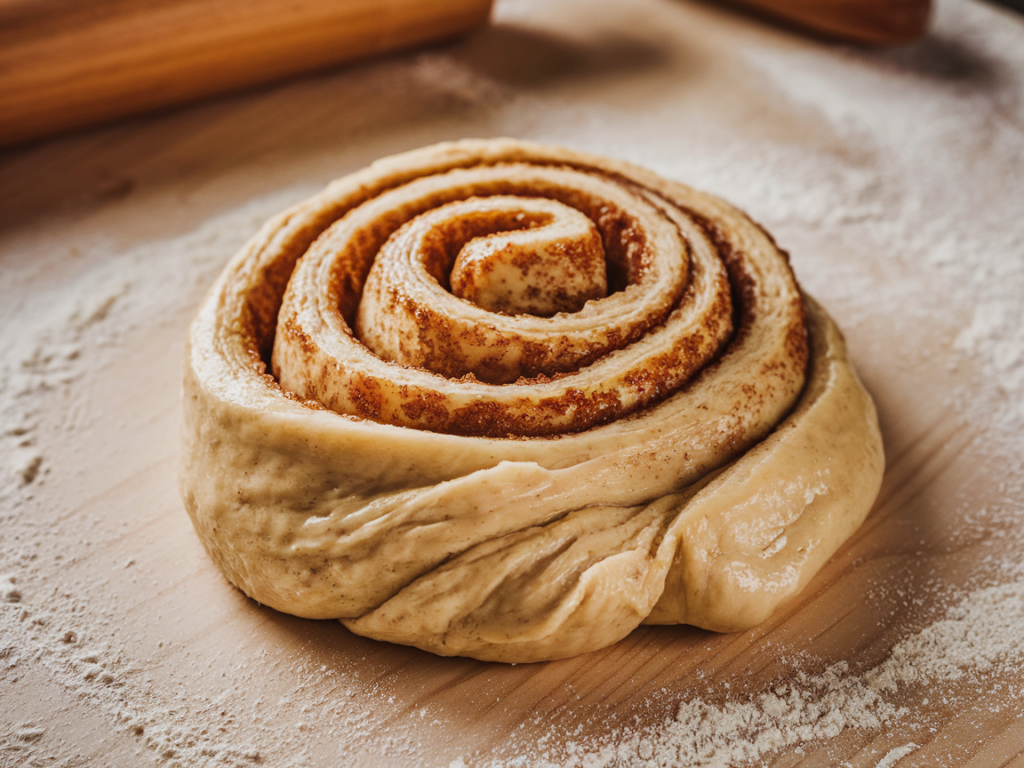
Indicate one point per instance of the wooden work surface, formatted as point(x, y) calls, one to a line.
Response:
point(122, 645)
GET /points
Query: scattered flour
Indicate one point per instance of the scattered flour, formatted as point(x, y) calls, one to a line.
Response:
point(63, 635)
point(893, 756)
point(52, 344)
point(978, 635)
point(995, 336)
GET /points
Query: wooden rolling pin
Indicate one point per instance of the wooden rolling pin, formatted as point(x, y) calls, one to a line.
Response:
point(65, 64)
point(882, 22)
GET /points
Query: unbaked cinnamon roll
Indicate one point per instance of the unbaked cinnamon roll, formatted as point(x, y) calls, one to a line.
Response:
point(503, 400)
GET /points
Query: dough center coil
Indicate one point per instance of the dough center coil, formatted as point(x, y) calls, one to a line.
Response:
point(395, 313)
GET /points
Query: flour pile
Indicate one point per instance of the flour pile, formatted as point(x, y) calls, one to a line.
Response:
point(978, 635)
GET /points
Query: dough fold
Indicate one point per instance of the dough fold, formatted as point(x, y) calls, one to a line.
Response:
point(507, 401)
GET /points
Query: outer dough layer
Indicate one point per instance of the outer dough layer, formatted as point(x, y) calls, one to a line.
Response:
point(711, 507)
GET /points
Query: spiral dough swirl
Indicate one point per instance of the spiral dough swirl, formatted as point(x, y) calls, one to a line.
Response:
point(508, 401)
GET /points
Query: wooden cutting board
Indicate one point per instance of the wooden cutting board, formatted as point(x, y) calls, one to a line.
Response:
point(122, 645)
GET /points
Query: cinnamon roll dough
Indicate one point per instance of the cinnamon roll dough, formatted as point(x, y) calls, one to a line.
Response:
point(508, 401)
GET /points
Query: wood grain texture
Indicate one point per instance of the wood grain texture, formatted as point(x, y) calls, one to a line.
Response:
point(66, 64)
